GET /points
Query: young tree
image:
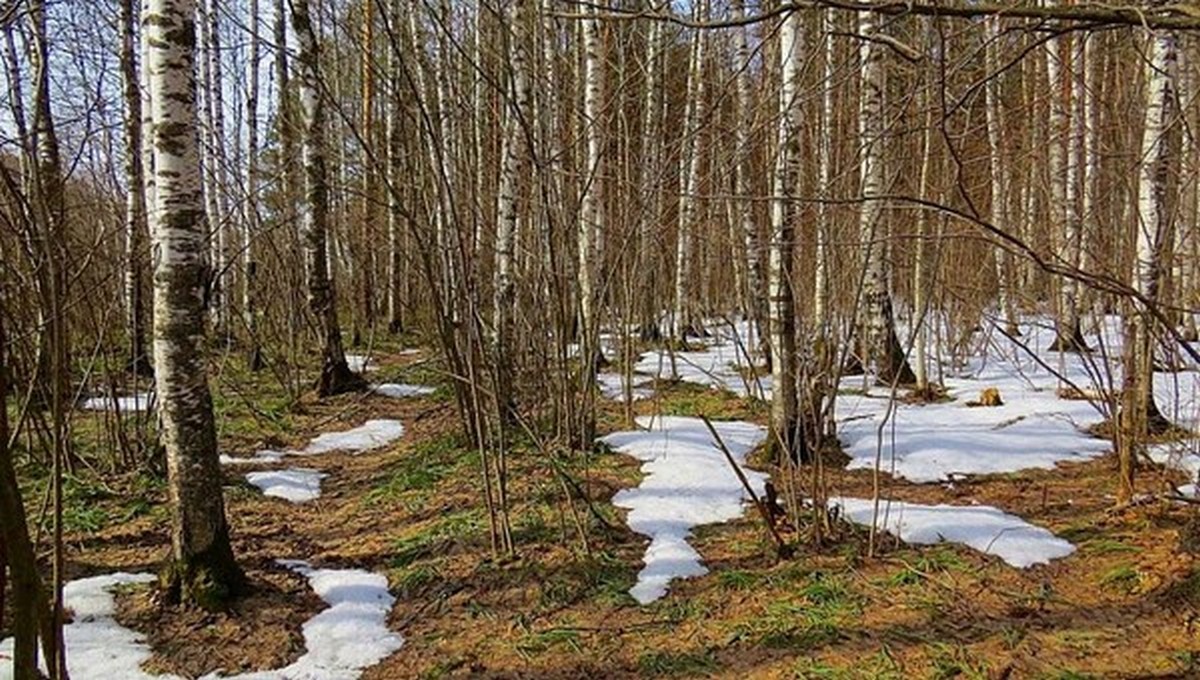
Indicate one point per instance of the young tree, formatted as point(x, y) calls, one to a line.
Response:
point(202, 569)
point(883, 351)
point(336, 376)
point(785, 420)
point(135, 205)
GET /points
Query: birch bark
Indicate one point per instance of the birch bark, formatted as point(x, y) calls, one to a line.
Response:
point(203, 570)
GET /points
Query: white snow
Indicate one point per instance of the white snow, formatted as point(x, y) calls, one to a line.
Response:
point(612, 386)
point(293, 484)
point(688, 482)
point(720, 364)
point(125, 404)
point(339, 642)
point(97, 646)
point(981, 527)
point(360, 363)
point(349, 636)
point(401, 390)
point(370, 435)
point(1034, 428)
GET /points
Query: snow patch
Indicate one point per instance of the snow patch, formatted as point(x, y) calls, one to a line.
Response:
point(360, 363)
point(688, 482)
point(981, 527)
point(97, 646)
point(126, 404)
point(612, 386)
point(401, 390)
point(372, 434)
point(340, 642)
point(297, 485)
point(349, 636)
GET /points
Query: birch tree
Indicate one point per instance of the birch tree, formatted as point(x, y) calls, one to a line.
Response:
point(1159, 161)
point(785, 421)
point(253, 221)
point(742, 121)
point(516, 98)
point(202, 570)
point(883, 352)
point(336, 376)
point(135, 204)
point(683, 318)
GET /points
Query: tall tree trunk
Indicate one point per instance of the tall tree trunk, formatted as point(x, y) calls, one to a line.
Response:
point(998, 172)
point(883, 351)
point(683, 320)
point(1063, 144)
point(395, 152)
point(755, 301)
point(365, 252)
point(513, 154)
point(219, 221)
point(336, 377)
point(785, 420)
point(650, 215)
point(1159, 163)
point(590, 224)
point(202, 570)
point(251, 233)
point(48, 197)
point(137, 253)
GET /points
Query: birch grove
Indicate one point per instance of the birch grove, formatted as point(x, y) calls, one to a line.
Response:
point(562, 222)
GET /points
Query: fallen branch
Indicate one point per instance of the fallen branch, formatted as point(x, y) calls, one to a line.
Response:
point(781, 548)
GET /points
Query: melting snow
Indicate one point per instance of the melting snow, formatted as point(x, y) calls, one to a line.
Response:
point(720, 365)
point(293, 484)
point(687, 483)
point(360, 363)
point(612, 386)
point(349, 636)
point(1034, 428)
point(97, 646)
point(981, 527)
point(370, 435)
point(127, 404)
point(339, 642)
point(401, 390)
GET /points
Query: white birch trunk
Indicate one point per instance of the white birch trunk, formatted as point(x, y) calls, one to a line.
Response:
point(590, 224)
point(883, 352)
point(136, 233)
point(781, 260)
point(682, 320)
point(204, 571)
point(512, 161)
point(743, 122)
point(314, 212)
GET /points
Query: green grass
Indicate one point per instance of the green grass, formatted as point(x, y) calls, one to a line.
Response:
point(557, 639)
point(690, 664)
point(737, 579)
point(1123, 579)
point(826, 609)
point(1109, 546)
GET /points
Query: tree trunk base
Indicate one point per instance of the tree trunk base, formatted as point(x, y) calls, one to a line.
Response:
point(208, 581)
point(141, 367)
point(395, 327)
point(337, 378)
point(1070, 343)
point(254, 360)
point(650, 332)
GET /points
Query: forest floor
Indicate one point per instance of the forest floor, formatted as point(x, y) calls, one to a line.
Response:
point(1125, 604)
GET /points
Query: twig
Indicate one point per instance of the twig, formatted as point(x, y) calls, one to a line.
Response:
point(781, 548)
